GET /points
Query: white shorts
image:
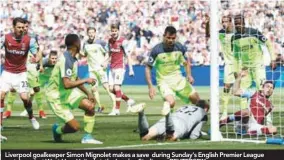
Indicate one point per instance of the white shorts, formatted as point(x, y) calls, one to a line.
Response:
point(116, 76)
point(99, 75)
point(17, 81)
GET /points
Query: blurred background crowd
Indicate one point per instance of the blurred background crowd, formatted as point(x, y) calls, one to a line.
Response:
point(141, 22)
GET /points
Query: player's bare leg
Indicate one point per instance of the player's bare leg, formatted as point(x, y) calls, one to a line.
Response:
point(194, 98)
point(89, 121)
point(225, 100)
point(28, 106)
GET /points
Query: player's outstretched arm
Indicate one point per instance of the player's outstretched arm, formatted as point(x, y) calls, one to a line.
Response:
point(152, 91)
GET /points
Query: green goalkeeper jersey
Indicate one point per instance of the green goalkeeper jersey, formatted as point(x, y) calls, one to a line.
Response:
point(65, 67)
point(167, 62)
point(247, 48)
point(225, 39)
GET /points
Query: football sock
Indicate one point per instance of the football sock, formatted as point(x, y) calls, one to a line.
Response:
point(11, 97)
point(225, 99)
point(118, 98)
point(124, 97)
point(1, 111)
point(28, 106)
point(89, 122)
point(142, 124)
point(38, 99)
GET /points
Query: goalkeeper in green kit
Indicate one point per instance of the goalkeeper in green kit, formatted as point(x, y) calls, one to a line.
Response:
point(246, 46)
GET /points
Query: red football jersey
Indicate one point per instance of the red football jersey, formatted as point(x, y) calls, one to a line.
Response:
point(260, 106)
point(117, 53)
point(16, 53)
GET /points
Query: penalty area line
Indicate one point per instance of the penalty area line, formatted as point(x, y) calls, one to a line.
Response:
point(150, 144)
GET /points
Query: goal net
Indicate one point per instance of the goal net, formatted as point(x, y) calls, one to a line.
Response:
point(247, 35)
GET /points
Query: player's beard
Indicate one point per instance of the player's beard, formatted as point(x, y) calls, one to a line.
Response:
point(91, 40)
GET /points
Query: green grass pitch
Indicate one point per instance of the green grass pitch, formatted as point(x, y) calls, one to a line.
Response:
point(117, 131)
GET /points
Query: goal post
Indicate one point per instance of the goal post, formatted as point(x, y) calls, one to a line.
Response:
point(214, 72)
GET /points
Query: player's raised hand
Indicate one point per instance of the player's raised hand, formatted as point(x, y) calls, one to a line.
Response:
point(91, 81)
point(190, 79)
point(152, 92)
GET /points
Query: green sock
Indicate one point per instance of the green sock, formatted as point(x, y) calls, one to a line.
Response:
point(11, 97)
point(89, 122)
point(59, 130)
point(225, 99)
point(38, 99)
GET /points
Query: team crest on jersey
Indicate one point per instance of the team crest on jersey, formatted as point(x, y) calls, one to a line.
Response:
point(69, 72)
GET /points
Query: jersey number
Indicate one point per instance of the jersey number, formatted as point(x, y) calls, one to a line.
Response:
point(186, 110)
point(24, 84)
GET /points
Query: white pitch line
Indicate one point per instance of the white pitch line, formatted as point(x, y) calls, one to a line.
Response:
point(151, 144)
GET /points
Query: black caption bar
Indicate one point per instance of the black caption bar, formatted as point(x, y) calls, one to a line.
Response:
point(141, 154)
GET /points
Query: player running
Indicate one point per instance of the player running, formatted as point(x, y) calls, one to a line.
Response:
point(96, 55)
point(33, 83)
point(187, 122)
point(246, 46)
point(167, 57)
point(17, 45)
point(65, 92)
point(117, 53)
point(252, 118)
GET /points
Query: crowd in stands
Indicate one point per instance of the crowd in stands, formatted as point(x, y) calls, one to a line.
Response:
point(141, 22)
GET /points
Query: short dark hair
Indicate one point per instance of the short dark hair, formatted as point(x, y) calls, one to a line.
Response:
point(114, 26)
point(269, 81)
point(91, 28)
point(53, 53)
point(18, 20)
point(202, 103)
point(171, 30)
point(71, 39)
point(240, 16)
